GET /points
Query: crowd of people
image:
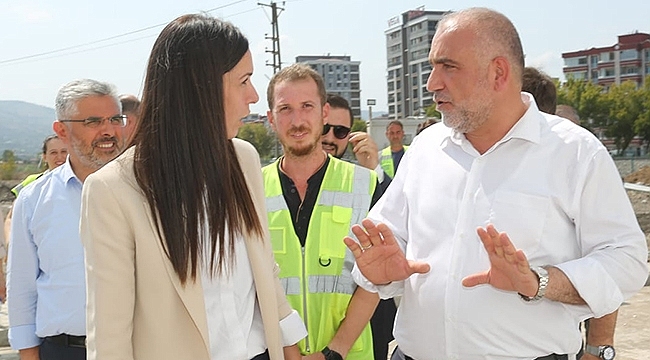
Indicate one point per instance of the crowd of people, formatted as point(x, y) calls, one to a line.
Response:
point(154, 233)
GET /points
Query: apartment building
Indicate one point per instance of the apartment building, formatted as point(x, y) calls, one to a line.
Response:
point(341, 76)
point(628, 59)
point(408, 40)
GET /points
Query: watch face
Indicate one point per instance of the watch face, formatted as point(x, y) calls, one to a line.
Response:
point(608, 353)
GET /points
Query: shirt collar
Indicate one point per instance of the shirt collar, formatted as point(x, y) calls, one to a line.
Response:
point(66, 174)
point(528, 127)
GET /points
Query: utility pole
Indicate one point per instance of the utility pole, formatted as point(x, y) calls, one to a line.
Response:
point(275, 39)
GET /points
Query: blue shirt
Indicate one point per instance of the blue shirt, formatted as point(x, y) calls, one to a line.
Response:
point(46, 283)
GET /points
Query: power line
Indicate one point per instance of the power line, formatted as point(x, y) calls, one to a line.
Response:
point(112, 37)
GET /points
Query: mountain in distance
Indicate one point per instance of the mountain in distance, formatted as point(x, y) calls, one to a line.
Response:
point(23, 126)
point(365, 114)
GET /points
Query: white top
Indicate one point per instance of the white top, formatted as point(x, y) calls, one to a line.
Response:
point(553, 187)
point(234, 321)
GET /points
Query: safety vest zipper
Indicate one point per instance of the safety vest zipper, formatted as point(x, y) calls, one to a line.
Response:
point(304, 300)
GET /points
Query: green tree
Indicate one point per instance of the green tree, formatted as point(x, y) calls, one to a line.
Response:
point(625, 107)
point(432, 112)
point(258, 135)
point(8, 165)
point(642, 123)
point(587, 98)
point(359, 125)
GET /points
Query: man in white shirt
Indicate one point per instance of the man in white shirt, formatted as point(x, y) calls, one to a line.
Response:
point(571, 246)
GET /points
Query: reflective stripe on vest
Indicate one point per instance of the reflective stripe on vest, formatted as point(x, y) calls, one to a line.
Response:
point(319, 284)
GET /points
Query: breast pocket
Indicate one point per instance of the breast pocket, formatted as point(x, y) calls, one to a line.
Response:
point(522, 216)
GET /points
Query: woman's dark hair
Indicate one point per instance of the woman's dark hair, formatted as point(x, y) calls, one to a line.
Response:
point(184, 162)
point(47, 140)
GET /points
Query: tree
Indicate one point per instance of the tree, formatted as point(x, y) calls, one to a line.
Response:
point(625, 107)
point(359, 125)
point(587, 98)
point(258, 135)
point(432, 112)
point(642, 123)
point(8, 165)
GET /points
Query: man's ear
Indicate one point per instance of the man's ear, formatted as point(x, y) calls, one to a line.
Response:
point(326, 111)
point(269, 115)
point(501, 72)
point(61, 131)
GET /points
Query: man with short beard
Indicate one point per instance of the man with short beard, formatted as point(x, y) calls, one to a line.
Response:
point(312, 200)
point(569, 248)
point(46, 278)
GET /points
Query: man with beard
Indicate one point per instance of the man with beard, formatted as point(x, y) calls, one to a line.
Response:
point(312, 200)
point(571, 247)
point(46, 279)
point(335, 141)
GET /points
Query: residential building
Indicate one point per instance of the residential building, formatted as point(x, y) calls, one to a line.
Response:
point(341, 76)
point(408, 40)
point(628, 59)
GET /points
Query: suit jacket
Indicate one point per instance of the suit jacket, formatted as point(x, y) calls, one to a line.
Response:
point(136, 305)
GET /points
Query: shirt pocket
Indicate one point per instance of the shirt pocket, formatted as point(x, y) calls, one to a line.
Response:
point(522, 216)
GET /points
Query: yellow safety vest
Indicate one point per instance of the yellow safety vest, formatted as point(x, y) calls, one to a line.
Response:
point(386, 161)
point(28, 180)
point(316, 278)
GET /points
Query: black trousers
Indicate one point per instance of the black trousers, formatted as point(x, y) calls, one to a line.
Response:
point(53, 351)
point(262, 356)
point(382, 327)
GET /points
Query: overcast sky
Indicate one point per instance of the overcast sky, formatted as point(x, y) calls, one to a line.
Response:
point(307, 27)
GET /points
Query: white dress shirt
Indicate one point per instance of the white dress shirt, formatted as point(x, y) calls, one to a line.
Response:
point(553, 187)
point(235, 324)
point(46, 284)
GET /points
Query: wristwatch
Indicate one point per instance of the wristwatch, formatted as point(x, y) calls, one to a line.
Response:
point(331, 354)
point(542, 276)
point(605, 352)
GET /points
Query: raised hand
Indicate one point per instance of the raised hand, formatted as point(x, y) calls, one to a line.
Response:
point(365, 149)
point(379, 257)
point(509, 269)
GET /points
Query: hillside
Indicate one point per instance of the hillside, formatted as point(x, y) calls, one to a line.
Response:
point(23, 126)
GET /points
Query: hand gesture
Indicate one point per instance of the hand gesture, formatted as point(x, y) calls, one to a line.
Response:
point(378, 255)
point(509, 269)
point(365, 149)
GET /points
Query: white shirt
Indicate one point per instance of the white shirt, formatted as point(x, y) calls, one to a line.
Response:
point(235, 324)
point(553, 187)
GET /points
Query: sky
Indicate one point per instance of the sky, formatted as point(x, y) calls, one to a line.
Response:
point(45, 44)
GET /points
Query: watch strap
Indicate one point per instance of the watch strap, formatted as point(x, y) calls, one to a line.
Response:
point(331, 354)
point(542, 277)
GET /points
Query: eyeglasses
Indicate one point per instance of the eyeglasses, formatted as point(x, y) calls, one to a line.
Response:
point(93, 122)
point(340, 131)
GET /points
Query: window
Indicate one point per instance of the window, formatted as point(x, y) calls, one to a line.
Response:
point(575, 61)
point(398, 72)
point(630, 54)
point(629, 70)
point(582, 61)
point(399, 108)
point(425, 78)
point(391, 74)
point(391, 98)
point(431, 25)
point(391, 86)
point(414, 69)
point(354, 68)
point(608, 72)
point(391, 109)
point(414, 81)
point(399, 97)
point(398, 84)
point(415, 94)
point(354, 77)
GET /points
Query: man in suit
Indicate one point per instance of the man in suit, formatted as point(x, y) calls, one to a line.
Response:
point(46, 281)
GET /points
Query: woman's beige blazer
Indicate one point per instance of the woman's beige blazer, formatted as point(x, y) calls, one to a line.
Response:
point(136, 306)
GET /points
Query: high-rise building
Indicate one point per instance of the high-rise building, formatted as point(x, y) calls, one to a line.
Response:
point(628, 59)
point(408, 40)
point(341, 76)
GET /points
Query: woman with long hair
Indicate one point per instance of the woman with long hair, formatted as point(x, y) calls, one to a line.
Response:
point(178, 258)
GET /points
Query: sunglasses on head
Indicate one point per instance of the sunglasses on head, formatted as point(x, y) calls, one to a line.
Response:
point(340, 131)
